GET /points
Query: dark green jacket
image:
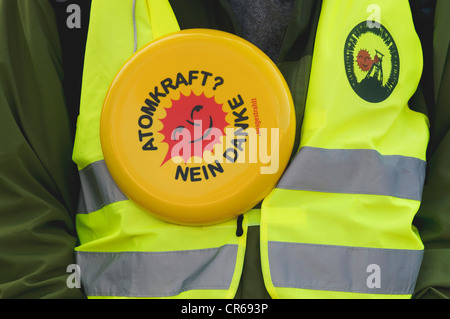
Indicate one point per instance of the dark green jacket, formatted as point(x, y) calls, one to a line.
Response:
point(39, 94)
point(38, 183)
point(433, 218)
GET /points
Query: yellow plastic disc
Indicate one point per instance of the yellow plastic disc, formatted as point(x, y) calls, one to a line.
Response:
point(197, 127)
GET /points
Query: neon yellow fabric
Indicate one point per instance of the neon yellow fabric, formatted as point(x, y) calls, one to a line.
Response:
point(337, 118)
point(122, 226)
point(110, 44)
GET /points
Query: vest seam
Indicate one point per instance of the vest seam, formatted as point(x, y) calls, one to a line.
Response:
point(132, 252)
point(278, 242)
point(99, 293)
point(335, 289)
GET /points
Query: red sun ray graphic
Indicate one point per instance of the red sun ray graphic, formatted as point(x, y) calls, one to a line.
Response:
point(193, 125)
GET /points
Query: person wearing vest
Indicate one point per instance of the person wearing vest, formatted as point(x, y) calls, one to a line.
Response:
point(339, 223)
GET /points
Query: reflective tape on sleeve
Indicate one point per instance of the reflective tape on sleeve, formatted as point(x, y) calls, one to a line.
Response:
point(343, 268)
point(355, 171)
point(98, 188)
point(156, 274)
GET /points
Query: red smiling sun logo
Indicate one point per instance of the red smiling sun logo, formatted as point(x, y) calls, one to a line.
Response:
point(365, 61)
point(193, 125)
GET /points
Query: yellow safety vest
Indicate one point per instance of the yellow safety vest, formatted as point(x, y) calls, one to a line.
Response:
point(339, 222)
point(124, 251)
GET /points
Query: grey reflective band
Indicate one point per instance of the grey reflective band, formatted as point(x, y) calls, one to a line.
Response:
point(98, 188)
point(156, 274)
point(357, 171)
point(344, 269)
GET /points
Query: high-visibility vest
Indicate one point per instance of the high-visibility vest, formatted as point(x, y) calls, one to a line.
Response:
point(339, 223)
point(124, 251)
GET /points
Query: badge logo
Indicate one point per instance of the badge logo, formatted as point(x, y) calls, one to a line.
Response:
point(197, 127)
point(197, 121)
point(372, 62)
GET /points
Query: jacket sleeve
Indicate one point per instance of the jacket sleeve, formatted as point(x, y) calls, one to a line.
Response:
point(433, 218)
point(38, 181)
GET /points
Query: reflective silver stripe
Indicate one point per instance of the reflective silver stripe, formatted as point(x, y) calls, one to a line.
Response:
point(355, 172)
point(344, 269)
point(156, 274)
point(98, 188)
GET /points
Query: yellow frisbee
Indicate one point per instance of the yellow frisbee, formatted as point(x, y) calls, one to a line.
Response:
point(197, 127)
